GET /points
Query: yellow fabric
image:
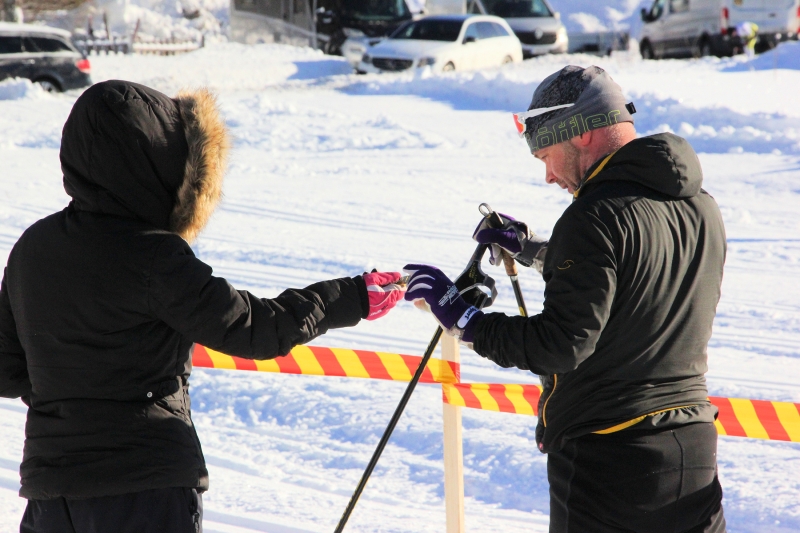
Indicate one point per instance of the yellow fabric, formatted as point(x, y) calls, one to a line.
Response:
point(629, 423)
point(595, 173)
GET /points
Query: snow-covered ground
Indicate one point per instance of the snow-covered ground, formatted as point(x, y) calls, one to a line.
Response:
point(333, 174)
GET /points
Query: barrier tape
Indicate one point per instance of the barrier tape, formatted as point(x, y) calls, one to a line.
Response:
point(756, 419)
point(318, 361)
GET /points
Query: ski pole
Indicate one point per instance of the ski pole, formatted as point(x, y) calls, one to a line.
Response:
point(508, 262)
point(468, 285)
point(389, 429)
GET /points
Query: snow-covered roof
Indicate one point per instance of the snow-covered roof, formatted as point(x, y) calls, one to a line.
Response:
point(10, 27)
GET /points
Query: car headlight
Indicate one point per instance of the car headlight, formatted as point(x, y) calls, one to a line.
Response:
point(561, 34)
point(366, 59)
point(352, 32)
point(356, 49)
point(426, 61)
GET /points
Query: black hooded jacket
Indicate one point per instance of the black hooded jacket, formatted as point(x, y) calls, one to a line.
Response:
point(633, 273)
point(101, 303)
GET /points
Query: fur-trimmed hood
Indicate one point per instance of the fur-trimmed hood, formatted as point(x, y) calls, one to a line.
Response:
point(128, 150)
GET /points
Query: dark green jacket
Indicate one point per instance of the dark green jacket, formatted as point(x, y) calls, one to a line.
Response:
point(633, 273)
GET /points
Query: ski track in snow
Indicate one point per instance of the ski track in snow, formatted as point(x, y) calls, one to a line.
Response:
point(334, 174)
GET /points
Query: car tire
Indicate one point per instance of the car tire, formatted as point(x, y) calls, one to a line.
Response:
point(448, 67)
point(705, 48)
point(646, 49)
point(48, 85)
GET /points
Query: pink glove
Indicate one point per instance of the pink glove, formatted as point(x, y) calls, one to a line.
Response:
point(383, 292)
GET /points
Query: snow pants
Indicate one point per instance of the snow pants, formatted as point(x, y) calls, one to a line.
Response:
point(172, 510)
point(637, 481)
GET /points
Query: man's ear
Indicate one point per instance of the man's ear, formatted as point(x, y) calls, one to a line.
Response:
point(583, 140)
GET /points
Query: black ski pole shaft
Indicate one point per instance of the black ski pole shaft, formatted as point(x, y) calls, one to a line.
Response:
point(513, 275)
point(389, 429)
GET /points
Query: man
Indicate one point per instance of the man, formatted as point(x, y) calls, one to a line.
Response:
point(101, 303)
point(748, 36)
point(633, 272)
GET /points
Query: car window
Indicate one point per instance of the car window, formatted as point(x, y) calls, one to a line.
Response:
point(429, 30)
point(472, 31)
point(678, 6)
point(46, 44)
point(486, 30)
point(656, 10)
point(499, 30)
point(10, 44)
point(375, 9)
point(517, 8)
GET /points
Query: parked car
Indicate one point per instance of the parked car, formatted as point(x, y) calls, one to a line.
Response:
point(43, 55)
point(537, 25)
point(445, 43)
point(351, 24)
point(695, 28)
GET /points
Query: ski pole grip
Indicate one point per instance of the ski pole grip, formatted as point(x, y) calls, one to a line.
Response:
point(496, 222)
point(510, 264)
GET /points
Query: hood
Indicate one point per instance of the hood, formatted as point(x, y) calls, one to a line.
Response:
point(128, 150)
point(663, 162)
point(407, 48)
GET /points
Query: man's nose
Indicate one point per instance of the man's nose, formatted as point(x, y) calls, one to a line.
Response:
point(550, 178)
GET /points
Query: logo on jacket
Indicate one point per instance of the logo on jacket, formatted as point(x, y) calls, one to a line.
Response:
point(566, 264)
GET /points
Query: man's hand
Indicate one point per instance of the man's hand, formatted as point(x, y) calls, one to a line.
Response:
point(456, 316)
point(513, 238)
point(383, 292)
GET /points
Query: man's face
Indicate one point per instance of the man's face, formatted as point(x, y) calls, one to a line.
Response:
point(562, 165)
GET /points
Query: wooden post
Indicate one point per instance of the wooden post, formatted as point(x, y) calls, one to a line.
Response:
point(453, 451)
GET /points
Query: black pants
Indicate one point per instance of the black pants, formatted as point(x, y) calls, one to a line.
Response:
point(173, 510)
point(648, 481)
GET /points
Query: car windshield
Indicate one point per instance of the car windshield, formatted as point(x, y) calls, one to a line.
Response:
point(375, 9)
point(429, 30)
point(517, 8)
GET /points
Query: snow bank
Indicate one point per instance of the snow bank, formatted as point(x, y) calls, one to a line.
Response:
point(222, 66)
point(711, 127)
point(784, 56)
point(20, 88)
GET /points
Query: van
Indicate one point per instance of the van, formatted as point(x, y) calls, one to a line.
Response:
point(695, 28)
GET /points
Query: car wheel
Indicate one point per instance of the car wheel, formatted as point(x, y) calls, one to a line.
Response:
point(705, 48)
point(507, 60)
point(646, 50)
point(49, 86)
point(449, 67)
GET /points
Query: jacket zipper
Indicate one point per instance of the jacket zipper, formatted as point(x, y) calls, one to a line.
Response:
point(544, 407)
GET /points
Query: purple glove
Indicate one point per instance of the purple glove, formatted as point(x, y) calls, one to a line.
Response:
point(515, 238)
point(510, 237)
point(456, 316)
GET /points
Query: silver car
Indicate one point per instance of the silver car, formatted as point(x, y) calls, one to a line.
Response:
point(537, 25)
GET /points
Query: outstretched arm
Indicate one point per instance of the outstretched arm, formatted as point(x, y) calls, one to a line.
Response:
point(208, 310)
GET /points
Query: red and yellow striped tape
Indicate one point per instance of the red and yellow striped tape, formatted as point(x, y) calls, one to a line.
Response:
point(757, 419)
point(318, 361)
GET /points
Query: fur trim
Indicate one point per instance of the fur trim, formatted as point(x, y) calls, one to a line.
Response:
point(209, 143)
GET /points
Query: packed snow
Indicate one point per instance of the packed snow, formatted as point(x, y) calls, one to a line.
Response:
point(333, 174)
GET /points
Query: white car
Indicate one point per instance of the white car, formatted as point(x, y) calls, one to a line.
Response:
point(444, 43)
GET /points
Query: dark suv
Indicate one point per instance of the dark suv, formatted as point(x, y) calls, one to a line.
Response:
point(43, 55)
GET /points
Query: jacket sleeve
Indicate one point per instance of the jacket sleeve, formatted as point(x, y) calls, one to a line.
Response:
point(14, 381)
point(580, 277)
point(206, 309)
